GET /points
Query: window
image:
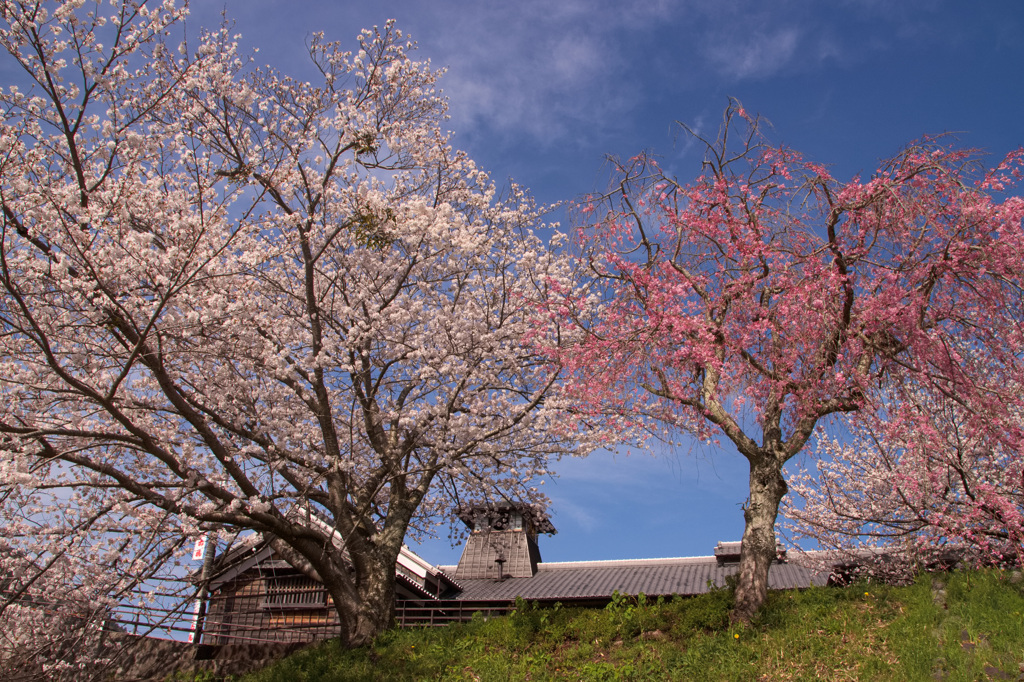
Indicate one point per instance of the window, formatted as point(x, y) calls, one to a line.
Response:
point(294, 592)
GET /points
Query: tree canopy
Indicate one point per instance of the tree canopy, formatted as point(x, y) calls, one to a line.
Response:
point(766, 297)
point(229, 294)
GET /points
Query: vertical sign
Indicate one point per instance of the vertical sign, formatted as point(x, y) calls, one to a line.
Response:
point(199, 551)
point(196, 609)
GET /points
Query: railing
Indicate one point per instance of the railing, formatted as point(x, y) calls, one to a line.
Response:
point(250, 621)
point(274, 610)
point(416, 613)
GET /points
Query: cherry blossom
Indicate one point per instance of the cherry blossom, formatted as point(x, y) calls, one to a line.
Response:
point(70, 574)
point(766, 297)
point(937, 485)
point(230, 295)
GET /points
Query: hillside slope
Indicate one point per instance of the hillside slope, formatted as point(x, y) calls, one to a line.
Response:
point(959, 626)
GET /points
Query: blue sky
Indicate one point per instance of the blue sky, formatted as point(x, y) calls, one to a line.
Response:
point(542, 90)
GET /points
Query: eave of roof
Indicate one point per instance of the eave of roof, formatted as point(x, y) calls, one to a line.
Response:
point(258, 553)
point(256, 550)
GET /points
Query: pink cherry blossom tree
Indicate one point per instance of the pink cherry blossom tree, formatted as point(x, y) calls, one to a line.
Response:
point(936, 485)
point(766, 297)
point(240, 298)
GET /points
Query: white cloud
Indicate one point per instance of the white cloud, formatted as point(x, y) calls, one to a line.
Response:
point(583, 74)
point(756, 54)
point(531, 67)
point(586, 517)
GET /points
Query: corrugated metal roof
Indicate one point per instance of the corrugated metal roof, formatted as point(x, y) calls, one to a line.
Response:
point(653, 577)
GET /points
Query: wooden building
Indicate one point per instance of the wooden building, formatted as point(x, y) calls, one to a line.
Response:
point(256, 596)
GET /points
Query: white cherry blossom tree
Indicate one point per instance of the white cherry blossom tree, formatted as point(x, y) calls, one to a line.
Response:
point(229, 294)
point(70, 574)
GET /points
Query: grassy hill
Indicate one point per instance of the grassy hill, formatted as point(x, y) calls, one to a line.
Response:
point(958, 626)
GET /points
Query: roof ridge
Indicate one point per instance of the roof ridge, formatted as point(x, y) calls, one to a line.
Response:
point(631, 562)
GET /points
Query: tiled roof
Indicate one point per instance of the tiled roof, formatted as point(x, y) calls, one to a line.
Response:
point(653, 577)
point(517, 553)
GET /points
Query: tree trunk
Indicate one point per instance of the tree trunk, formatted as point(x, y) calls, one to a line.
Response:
point(364, 599)
point(376, 610)
point(767, 488)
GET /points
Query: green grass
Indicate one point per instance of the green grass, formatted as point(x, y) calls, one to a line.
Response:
point(960, 626)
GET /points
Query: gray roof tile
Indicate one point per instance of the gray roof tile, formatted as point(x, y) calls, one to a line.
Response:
point(653, 577)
